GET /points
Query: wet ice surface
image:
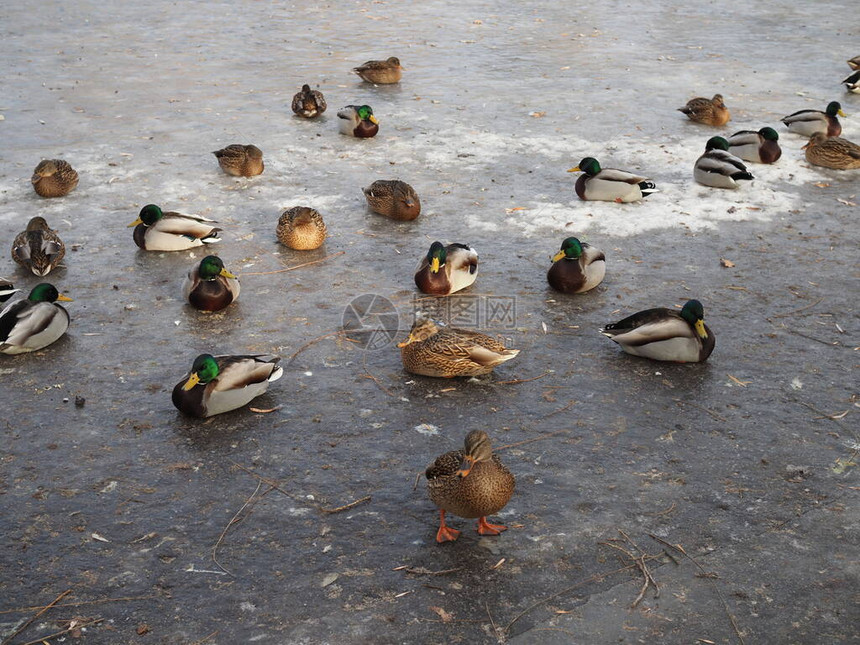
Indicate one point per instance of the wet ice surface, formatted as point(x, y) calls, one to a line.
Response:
point(748, 475)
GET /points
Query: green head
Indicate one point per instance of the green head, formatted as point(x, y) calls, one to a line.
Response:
point(571, 249)
point(46, 292)
point(365, 113)
point(211, 267)
point(834, 108)
point(769, 134)
point(148, 215)
point(589, 166)
point(436, 256)
point(694, 313)
point(203, 370)
point(716, 143)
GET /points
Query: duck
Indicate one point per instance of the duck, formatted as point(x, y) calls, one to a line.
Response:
point(610, 184)
point(758, 147)
point(380, 72)
point(7, 290)
point(209, 286)
point(301, 228)
point(240, 160)
point(708, 111)
point(309, 103)
point(358, 121)
point(34, 322)
point(156, 230)
point(38, 248)
point(393, 198)
point(447, 269)
point(578, 267)
point(832, 152)
point(808, 122)
point(218, 384)
point(854, 63)
point(665, 334)
point(54, 178)
point(852, 82)
point(471, 483)
point(446, 352)
point(718, 168)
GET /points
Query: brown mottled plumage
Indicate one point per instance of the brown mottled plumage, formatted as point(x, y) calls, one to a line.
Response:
point(832, 152)
point(309, 103)
point(301, 228)
point(381, 72)
point(54, 178)
point(38, 248)
point(240, 161)
point(472, 482)
point(708, 111)
point(393, 198)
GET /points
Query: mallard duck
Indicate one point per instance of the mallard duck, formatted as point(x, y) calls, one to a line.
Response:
point(758, 147)
point(380, 72)
point(854, 63)
point(718, 168)
point(358, 121)
point(665, 334)
point(33, 322)
point(240, 161)
point(472, 482)
point(159, 231)
point(54, 178)
point(708, 111)
point(209, 286)
point(218, 384)
point(808, 122)
point(577, 267)
point(832, 152)
point(852, 82)
point(448, 352)
point(610, 184)
point(38, 248)
point(309, 103)
point(447, 269)
point(7, 290)
point(301, 228)
point(393, 198)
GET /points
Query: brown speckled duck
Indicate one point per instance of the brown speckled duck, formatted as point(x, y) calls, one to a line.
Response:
point(38, 248)
point(380, 72)
point(301, 228)
point(309, 103)
point(472, 482)
point(393, 198)
point(708, 111)
point(240, 161)
point(54, 178)
point(832, 152)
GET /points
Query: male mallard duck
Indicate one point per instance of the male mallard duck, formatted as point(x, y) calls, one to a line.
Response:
point(665, 334)
point(832, 152)
point(159, 231)
point(393, 198)
point(447, 269)
point(33, 322)
point(209, 286)
point(448, 352)
point(808, 122)
point(358, 121)
point(718, 168)
point(708, 111)
point(472, 482)
point(380, 72)
point(852, 82)
point(7, 290)
point(301, 228)
point(758, 147)
point(38, 248)
point(240, 161)
point(577, 267)
point(309, 103)
point(610, 184)
point(854, 63)
point(54, 178)
point(218, 384)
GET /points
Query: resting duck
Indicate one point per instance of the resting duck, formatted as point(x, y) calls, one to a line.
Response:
point(393, 198)
point(708, 111)
point(309, 103)
point(758, 147)
point(34, 322)
point(808, 122)
point(380, 72)
point(301, 228)
point(358, 121)
point(38, 248)
point(209, 286)
point(718, 168)
point(240, 161)
point(610, 184)
point(54, 178)
point(578, 267)
point(832, 152)
point(159, 231)
point(447, 269)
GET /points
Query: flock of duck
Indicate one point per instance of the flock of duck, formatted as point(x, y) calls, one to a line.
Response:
point(472, 482)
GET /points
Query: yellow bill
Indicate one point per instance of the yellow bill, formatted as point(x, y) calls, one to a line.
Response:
point(136, 222)
point(191, 382)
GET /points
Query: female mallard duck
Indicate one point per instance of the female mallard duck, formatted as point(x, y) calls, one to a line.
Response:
point(301, 228)
point(38, 248)
point(448, 352)
point(610, 184)
point(33, 322)
point(758, 147)
point(665, 334)
point(577, 267)
point(7, 290)
point(380, 72)
point(708, 111)
point(854, 63)
point(472, 482)
point(54, 178)
point(159, 231)
point(209, 286)
point(240, 161)
point(852, 82)
point(447, 269)
point(393, 198)
point(358, 121)
point(832, 152)
point(808, 122)
point(218, 384)
point(718, 168)
point(309, 103)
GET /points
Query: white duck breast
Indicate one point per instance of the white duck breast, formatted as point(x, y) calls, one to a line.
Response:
point(226, 393)
point(720, 169)
point(33, 325)
point(595, 270)
point(462, 261)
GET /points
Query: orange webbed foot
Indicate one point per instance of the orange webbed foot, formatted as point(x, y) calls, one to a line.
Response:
point(446, 534)
point(485, 528)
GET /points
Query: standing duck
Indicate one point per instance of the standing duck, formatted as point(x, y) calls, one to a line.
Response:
point(380, 72)
point(209, 286)
point(447, 269)
point(852, 82)
point(577, 267)
point(393, 198)
point(38, 248)
point(610, 184)
point(33, 322)
point(301, 228)
point(309, 103)
point(708, 111)
point(718, 168)
point(758, 147)
point(156, 230)
point(472, 482)
point(358, 121)
point(832, 152)
point(54, 178)
point(240, 161)
point(808, 122)
point(664, 334)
